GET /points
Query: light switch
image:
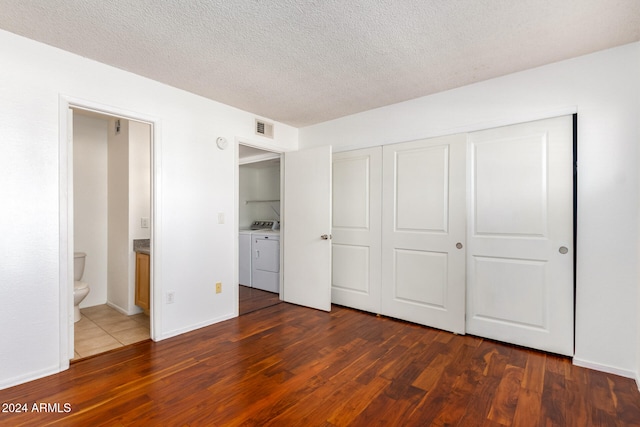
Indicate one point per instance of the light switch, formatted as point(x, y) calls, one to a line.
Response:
point(220, 217)
point(144, 222)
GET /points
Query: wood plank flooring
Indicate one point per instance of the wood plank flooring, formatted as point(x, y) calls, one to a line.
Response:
point(252, 299)
point(291, 366)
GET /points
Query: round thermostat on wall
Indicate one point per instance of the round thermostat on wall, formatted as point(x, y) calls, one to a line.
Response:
point(222, 142)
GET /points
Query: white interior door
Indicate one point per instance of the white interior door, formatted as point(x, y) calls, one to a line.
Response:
point(306, 228)
point(357, 215)
point(520, 235)
point(424, 218)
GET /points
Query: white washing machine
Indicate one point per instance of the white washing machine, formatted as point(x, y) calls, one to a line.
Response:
point(244, 257)
point(265, 260)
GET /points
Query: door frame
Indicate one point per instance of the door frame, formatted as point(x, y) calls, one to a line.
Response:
point(272, 148)
point(66, 235)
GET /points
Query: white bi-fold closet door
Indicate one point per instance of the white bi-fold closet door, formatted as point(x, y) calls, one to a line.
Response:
point(476, 233)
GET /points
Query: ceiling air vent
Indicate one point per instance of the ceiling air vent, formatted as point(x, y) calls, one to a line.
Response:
point(264, 129)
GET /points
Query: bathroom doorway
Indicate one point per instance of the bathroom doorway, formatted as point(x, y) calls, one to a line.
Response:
point(110, 163)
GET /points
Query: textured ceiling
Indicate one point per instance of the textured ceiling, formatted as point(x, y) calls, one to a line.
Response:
point(307, 61)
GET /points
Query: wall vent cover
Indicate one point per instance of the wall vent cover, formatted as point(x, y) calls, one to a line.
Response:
point(264, 129)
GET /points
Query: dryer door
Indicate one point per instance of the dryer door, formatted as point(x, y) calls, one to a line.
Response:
point(266, 254)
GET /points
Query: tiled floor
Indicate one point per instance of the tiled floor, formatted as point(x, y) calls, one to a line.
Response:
point(103, 328)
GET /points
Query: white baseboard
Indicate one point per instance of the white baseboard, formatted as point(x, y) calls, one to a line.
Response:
point(181, 331)
point(31, 376)
point(606, 368)
point(122, 310)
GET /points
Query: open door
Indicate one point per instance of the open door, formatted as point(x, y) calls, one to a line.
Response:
point(306, 228)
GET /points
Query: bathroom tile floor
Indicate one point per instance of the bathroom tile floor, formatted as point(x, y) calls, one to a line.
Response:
point(103, 328)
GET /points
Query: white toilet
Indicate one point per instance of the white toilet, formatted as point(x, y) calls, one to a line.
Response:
point(80, 289)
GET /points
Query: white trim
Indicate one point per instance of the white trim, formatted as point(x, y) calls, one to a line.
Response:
point(278, 152)
point(472, 127)
point(32, 376)
point(236, 226)
point(190, 328)
point(604, 368)
point(266, 146)
point(66, 218)
point(65, 178)
point(155, 329)
point(123, 311)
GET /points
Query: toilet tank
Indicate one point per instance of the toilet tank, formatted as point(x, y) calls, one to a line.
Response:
point(78, 265)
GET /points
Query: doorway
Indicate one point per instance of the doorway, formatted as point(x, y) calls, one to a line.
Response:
point(259, 214)
point(109, 186)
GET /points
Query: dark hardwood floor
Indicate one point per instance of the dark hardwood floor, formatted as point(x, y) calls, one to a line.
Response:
point(286, 365)
point(252, 299)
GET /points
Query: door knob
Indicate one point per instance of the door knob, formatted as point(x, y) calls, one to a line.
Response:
point(563, 250)
point(459, 245)
point(326, 236)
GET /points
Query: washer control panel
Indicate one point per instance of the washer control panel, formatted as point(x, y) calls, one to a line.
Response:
point(265, 225)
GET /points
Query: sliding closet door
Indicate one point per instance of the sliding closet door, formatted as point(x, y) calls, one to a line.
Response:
point(424, 217)
point(357, 212)
point(520, 236)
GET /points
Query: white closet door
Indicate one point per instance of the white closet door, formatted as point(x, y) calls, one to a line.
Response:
point(424, 217)
point(520, 235)
point(357, 212)
point(306, 228)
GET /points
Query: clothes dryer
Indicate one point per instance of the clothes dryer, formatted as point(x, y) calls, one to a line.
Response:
point(265, 261)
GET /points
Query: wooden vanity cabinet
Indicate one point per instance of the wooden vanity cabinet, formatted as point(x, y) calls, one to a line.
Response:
point(143, 293)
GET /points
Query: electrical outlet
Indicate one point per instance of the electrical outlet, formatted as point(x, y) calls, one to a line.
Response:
point(218, 287)
point(171, 297)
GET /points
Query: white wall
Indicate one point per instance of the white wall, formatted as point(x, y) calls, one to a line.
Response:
point(139, 197)
point(246, 187)
point(195, 182)
point(118, 216)
point(258, 183)
point(139, 179)
point(604, 88)
point(90, 203)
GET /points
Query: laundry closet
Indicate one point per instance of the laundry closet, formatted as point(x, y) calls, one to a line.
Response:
point(259, 219)
point(470, 233)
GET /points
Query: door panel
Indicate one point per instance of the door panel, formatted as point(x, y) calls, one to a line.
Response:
point(507, 290)
point(520, 286)
point(421, 277)
point(307, 207)
point(423, 272)
point(511, 186)
point(350, 269)
point(423, 207)
point(357, 211)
